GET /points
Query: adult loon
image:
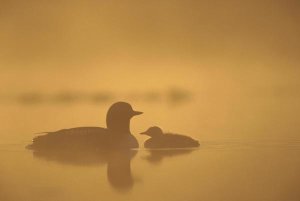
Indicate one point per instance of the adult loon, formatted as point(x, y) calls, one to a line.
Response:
point(167, 140)
point(116, 135)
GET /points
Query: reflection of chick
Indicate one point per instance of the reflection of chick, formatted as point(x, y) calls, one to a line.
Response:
point(156, 156)
point(167, 140)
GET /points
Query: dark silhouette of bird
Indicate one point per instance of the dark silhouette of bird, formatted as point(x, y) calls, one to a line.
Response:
point(167, 140)
point(116, 135)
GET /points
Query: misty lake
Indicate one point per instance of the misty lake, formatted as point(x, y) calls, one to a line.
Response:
point(225, 73)
point(227, 166)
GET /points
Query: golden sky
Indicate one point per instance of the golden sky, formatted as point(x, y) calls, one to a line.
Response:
point(70, 33)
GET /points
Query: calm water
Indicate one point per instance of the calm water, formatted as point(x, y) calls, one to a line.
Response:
point(236, 160)
point(217, 171)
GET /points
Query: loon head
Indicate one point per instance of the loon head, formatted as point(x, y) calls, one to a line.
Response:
point(154, 131)
point(118, 117)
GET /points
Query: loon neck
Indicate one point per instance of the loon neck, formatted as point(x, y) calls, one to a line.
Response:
point(119, 127)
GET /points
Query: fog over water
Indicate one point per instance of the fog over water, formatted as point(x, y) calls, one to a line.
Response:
point(225, 73)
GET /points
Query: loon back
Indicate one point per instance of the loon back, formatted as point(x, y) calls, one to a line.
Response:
point(83, 138)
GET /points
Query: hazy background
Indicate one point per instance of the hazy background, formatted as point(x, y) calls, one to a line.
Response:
point(233, 66)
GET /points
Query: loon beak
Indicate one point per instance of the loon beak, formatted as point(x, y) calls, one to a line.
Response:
point(134, 113)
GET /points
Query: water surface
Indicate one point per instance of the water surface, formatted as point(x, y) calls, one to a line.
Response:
point(228, 166)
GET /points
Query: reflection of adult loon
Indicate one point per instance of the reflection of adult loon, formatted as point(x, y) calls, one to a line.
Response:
point(117, 160)
point(116, 135)
point(167, 140)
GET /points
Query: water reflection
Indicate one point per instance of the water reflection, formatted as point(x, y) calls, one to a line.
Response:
point(119, 169)
point(118, 163)
point(156, 156)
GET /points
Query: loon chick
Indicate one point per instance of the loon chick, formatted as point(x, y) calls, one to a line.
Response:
point(116, 135)
point(167, 140)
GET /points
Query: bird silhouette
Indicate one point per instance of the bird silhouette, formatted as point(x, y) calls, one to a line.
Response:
point(167, 140)
point(117, 134)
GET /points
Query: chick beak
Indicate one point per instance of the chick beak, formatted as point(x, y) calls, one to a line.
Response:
point(134, 113)
point(144, 133)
